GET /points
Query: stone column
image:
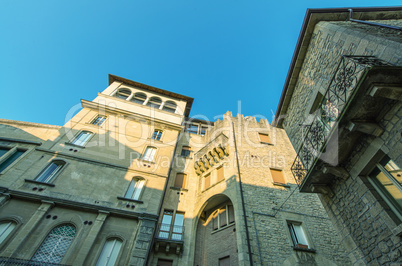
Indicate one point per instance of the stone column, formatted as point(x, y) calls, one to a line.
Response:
point(90, 239)
point(143, 242)
point(26, 230)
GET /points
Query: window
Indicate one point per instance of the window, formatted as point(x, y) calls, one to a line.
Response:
point(134, 189)
point(203, 130)
point(316, 103)
point(155, 102)
point(157, 134)
point(224, 261)
point(185, 151)
point(220, 174)
point(82, 138)
point(55, 245)
point(169, 230)
point(264, 138)
point(163, 262)
point(110, 252)
point(223, 217)
point(207, 181)
point(8, 156)
point(50, 171)
point(5, 229)
point(98, 121)
point(387, 180)
point(139, 98)
point(169, 106)
point(192, 128)
point(180, 181)
point(123, 94)
point(298, 237)
point(149, 154)
point(277, 176)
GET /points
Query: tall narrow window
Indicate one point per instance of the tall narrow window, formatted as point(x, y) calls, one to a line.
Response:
point(169, 106)
point(134, 189)
point(98, 121)
point(298, 237)
point(110, 252)
point(277, 176)
point(207, 181)
point(180, 181)
point(82, 138)
point(149, 154)
point(185, 151)
point(155, 102)
point(8, 156)
point(5, 229)
point(157, 135)
point(55, 245)
point(220, 173)
point(264, 138)
point(50, 171)
point(177, 230)
point(164, 230)
point(139, 98)
point(123, 94)
point(387, 180)
point(223, 217)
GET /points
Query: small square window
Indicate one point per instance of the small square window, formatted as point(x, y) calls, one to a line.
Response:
point(207, 181)
point(149, 154)
point(277, 176)
point(264, 138)
point(180, 181)
point(157, 135)
point(185, 151)
point(298, 236)
point(220, 173)
point(98, 121)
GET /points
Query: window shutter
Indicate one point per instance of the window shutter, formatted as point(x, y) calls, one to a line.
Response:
point(220, 173)
point(180, 181)
point(222, 217)
point(207, 181)
point(277, 176)
point(264, 138)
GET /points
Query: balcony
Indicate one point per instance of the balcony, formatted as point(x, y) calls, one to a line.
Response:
point(356, 95)
point(170, 238)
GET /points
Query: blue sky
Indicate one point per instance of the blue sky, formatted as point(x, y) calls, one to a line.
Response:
point(223, 53)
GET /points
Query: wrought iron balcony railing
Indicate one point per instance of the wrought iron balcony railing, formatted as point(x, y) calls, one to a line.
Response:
point(20, 262)
point(341, 90)
point(170, 232)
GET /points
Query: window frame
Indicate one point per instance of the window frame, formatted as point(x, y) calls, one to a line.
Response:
point(82, 143)
point(157, 135)
point(297, 237)
point(171, 225)
point(185, 151)
point(263, 139)
point(117, 94)
point(183, 183)
point(97, 123)
point(4, 240)
point(137, 188)
point(155, 104)
point(144, 156)
point(135, 98)
point(117, 257)
point(275, 181)
point(170, 108)
point(55, 173)
point(217, 214)
point(9, 154)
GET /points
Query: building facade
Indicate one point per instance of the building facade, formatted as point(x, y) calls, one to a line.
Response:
point(341, 109)
point(132, 180)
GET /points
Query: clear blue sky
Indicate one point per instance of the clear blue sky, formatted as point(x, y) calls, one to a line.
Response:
point(54, 53)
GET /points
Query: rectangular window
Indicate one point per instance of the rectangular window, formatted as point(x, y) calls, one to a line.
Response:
point(277, 176)
point(98, 121)
point(186, 151)
point(223, 217)
point(220, 173)
point(180, 181)
point(264, 138)
point(149, 154)
point(224, 261)
point(387, 180)
point(134, 189)
point(157, 135)
point(164, 229)
point(48, 174)
point(8, 156)
point(82, 138)
point(172, 229)
point(207, 181)
point(298, 237)
point(177, 230)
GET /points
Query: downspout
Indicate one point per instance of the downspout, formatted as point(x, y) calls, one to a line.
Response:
point(372, 23)
point(242, 198)
point(162, 200)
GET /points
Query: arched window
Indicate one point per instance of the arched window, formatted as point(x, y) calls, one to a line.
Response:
point(50, 171)
point(123, 94)
point(169, 106)
point(5, 229)
point(55, 245)
point(139, 98)
point(149, 154)
point(155, 102)
point(135, 188)
point(82, 138)
point(110, 252)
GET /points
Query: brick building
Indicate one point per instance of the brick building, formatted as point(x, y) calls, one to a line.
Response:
point(341, 109)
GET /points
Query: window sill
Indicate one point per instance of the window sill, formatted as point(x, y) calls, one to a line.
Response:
point(145, 161)
point(266, 143)
point(185, 157)
point(223, 228)
point(40, 183)
point(281, 184)
point(304, 249)
point(131, 200)
point(179, 189)
point(74, 145)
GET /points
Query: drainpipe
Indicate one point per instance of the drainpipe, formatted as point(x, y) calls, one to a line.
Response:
point(242, 198)
point(371, 23)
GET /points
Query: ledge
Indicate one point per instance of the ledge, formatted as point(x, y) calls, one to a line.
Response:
point(223, 228)
point(21, 141)
point(40, 183)
point(179, 189)
point(74, 145)
point(132, 200)
point(280, 184)
point(304, 249)
point(266, 143)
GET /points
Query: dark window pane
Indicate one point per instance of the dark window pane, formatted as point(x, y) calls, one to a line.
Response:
point(10, 160)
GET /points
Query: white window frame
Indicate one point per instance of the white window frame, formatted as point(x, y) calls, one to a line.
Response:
point(298, 234)
point(149, 154)
point(135, 189)
point(82, 138)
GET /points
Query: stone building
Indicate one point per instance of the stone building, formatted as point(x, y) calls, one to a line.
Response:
point(132, 180)
point(341, 109)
